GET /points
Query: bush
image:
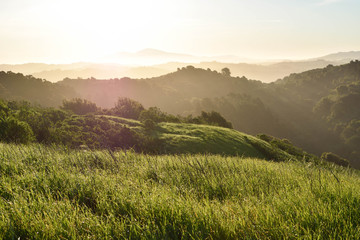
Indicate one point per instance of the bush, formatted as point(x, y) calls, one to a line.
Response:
point(154, 114)
point(149, 124)
point(79, 106)
point(13, 130)
point(333, 158)
point(211, 118)
point(127, 108)
point(265, 137)
point(3, 109)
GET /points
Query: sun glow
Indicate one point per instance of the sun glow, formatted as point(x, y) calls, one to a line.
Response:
point(93, 29)
point(66, 30)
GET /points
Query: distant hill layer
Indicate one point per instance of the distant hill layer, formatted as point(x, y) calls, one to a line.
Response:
point(16, 86)
point(266, 72)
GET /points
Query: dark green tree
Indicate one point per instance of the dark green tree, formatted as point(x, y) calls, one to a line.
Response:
point(79, 106)
point(13, 130)
point(127, 108)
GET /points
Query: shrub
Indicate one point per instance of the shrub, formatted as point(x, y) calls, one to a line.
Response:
point(13, 130)
point(212, 118)
point(154, 114)
point(127, 108)
point(149, 124)
point(79, 106)
point(265, 137)
point(332, 157)
point(3, 109)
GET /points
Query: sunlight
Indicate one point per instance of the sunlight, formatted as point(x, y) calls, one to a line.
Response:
point(113, 26)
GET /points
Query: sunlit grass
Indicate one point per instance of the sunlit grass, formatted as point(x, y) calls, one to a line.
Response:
point(56, 193)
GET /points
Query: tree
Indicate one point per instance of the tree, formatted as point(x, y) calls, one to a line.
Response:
point(127, 108)
point(213, 118)
point(4, 109)
point(153, 113)
point(332, 157)
point(226, 72)
point(13, 130)
point(79, 106)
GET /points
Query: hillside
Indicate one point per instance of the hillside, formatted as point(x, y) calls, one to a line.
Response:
point(285, 109)
point(181, 138)
point(21, 123)
point(55, 193)
point(16, 86)
point(316, 110)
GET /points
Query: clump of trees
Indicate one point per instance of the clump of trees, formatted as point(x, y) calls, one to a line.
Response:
point(79, 106)
point(14, 130)
point(333, 158)
point(211, 118)
point(127, 108)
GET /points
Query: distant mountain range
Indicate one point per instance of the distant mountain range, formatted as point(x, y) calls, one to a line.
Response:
point(169, 62)
point(342, 56)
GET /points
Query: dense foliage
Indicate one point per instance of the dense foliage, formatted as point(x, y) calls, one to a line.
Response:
point(20, 122)
point(16, 86)
point(79, 106)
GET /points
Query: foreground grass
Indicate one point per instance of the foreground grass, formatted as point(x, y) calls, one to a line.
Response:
point(55, 193)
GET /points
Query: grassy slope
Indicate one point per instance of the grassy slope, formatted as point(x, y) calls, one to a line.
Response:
point(56, 193)
point(194, 138)
point(191, 138)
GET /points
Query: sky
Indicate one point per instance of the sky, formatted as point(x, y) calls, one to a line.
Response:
point(65, 31)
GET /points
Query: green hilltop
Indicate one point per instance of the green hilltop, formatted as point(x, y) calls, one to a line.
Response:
point(182, 138)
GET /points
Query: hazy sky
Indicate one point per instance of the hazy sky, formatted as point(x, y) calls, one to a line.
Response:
point(57, 31)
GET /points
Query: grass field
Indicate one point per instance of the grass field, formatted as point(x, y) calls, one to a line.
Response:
point(57, 193)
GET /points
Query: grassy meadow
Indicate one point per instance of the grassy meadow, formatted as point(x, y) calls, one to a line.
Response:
point(52, 192)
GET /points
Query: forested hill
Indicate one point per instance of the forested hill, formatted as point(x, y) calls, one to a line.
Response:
point(16, 86)
point(170, 92)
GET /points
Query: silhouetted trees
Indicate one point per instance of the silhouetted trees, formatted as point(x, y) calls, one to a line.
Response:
point(226, 72)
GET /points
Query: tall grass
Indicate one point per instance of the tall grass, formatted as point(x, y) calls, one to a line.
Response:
point(57, 193)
